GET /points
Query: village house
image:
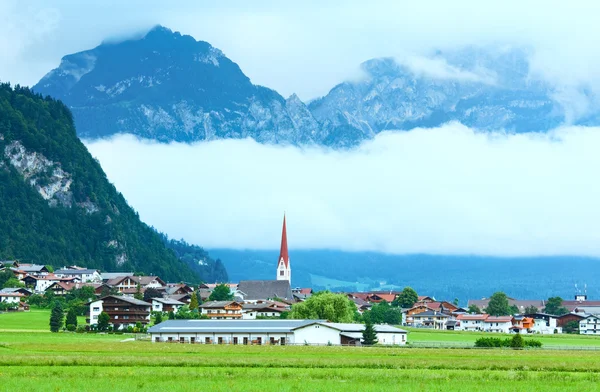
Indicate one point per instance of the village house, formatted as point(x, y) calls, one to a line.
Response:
point(501, 324)
point(129, 284)
point(471, 322)
point(263, 309)
point(22, 290)
point(84, 275)
point(166, 305)
point(270, 332)
point(11, 298)
point(123, 311)
point(43, 282)
point(34, 269)
point(590, 325)
point(522, 324)
point(222, 310)
point(430, 319)
point(544, 323)
point(520, 304)
point(561, 321)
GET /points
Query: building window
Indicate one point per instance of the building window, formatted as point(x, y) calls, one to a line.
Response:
point(207, 340)
point(235, 340)
point(96, 309)
point(281, 273)
point(220, 340)
point(245, 341)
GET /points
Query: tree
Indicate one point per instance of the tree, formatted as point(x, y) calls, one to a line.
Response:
point(220, 293)
point(325, 305)
point(369, 334)
point(474, 309)
point(531, 309)
point(498, 305)
point(383, 313)
point(5, 276)
point(150, 293)
point(406, 299)
point(13, 282)
point(513, 309)
point(138, 292)
point(71, 317)
point(158, 318)
point(571, 327)
point(194, 302)
point(554, 306)
point(517, 341)
point(171, 315)
point(50, 268)
point(56, 317)
point(455, 302)
point(103, 320)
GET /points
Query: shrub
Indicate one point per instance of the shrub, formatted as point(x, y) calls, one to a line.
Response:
point(71, 327)
point(533, 343)
point(517, 341)
point(82, 328)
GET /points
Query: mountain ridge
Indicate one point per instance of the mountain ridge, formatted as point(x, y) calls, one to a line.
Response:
point(56, 205)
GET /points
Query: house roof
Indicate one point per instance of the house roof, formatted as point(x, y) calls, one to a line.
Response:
point(474, 317)
point(32, 267)
point(217, 304)
point(14, 290)
point(351, 327)
point(498, 319)
point(179, 297)
point(75, 272)
point(131, 300)
point(168, 301)
point(229, 326)
point(521, 304)
point(15, 294)
point(265, 289)
point(430, 313)
point(113, 275)
point(384, 297)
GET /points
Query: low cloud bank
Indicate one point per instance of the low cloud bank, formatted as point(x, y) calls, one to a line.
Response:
point(447, 190)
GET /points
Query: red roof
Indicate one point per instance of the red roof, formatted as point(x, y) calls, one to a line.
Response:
point(499, 319)
point(283, 253)
point(472, 316)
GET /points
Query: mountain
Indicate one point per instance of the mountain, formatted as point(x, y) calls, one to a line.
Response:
point(56, 204)
point(444, 277)
point(481, 89)
point(199, 261)
point(170, 87)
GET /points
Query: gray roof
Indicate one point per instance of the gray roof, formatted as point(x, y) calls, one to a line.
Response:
point(32, 268)
point(350, 327)
point(131, 300)
point(216, 304)
point(168, 301)
point(264, 289)
point(229, 326)
point(430, 313)
point(112, 275)
point(13, 290)
point(75, 272)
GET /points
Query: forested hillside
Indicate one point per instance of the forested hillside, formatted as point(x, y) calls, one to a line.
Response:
point(57, 206)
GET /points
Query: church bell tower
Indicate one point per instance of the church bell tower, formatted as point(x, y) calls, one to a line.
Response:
point(284, 269)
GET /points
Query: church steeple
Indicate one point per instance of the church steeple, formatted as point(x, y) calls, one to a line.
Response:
point(284, 270)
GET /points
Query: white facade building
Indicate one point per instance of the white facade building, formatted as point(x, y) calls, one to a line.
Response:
point(470, 322)
point(11, 298)
point(84, 275)
point(501, 324)
point(273, 332)
point(166, 305)
point(590, 325)
point(95, 310)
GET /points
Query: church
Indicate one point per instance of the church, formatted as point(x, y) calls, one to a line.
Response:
point(284, 269)
point(256, 290)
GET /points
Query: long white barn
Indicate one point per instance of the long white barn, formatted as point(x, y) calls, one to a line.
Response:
point(271, 332)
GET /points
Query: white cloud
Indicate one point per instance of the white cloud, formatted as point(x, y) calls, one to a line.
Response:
point(439, 68)
point(447, 190)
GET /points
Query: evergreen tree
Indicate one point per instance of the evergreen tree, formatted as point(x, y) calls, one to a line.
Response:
point(194, 302)
point(71, 317)
point(171, 315)
point(56, 317)
point(498, 305)
point(138, 293)
point(369, 334)
point(517, 341)
point(103, 320)
point(220, 293)
point(158, 318)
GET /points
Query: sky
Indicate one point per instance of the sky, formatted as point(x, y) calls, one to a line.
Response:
point(307, 47)
point(447, 190)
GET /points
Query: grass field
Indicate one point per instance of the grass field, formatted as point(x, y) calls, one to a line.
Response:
point(43, 361)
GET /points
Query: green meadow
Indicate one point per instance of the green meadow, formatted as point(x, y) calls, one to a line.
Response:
point(40, 361)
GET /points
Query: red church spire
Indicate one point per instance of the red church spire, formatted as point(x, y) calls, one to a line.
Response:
point(283, 253)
